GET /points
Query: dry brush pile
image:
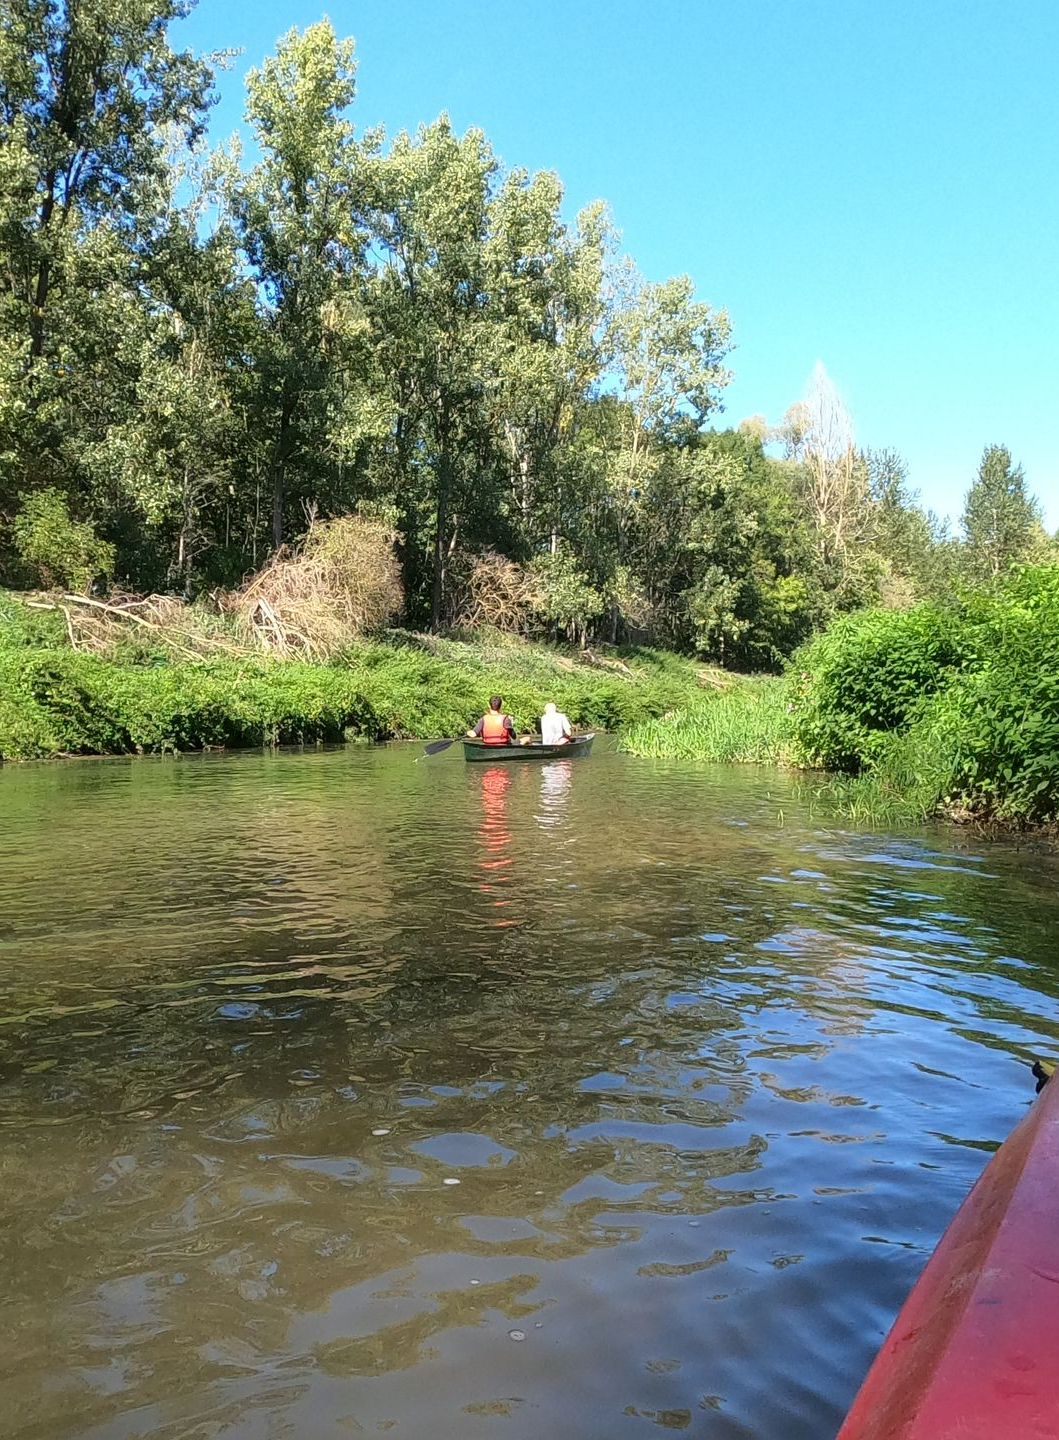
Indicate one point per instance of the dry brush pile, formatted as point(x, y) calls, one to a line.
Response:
point(309, 603)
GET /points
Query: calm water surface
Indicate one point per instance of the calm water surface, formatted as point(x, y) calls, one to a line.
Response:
point(342, 1094)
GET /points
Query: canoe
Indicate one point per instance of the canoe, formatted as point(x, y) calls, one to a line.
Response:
point(972, 1354)
point(478, 750)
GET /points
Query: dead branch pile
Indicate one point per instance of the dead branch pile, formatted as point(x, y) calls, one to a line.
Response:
point(495, 592)
point(309, 604)
point(158, 620)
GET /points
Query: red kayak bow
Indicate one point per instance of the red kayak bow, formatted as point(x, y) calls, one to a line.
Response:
point(974, 1352)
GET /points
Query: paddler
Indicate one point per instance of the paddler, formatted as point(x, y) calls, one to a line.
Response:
point(555, 726)
point(495, 728)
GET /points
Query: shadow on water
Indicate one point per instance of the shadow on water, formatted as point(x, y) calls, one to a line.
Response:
point(343, 1094)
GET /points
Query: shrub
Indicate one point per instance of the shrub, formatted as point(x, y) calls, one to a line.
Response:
point(942, 710)
point(55, 548)
point(866, 676)
point(1003, 714)
point(21, 625)
point(65, 702)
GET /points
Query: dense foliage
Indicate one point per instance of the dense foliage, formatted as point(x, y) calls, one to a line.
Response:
point(952, 708)
point(867, 676)
point(55, 700)
point(944, 709)
point(200, 357)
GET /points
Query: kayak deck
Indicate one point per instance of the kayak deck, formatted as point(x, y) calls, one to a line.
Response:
point(972, 1353)
point(479, 751)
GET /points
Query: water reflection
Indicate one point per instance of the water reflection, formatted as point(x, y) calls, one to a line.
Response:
point(494, 839)
point(305, 1157)
point(555, 792)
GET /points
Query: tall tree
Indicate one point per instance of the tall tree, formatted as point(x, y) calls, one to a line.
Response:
point(900, 531)
point(668, 353)
point(432, 327)
point(545, 283)
point(299, 215)
point(1001, 521)
point(89, 93)
point(820, 435)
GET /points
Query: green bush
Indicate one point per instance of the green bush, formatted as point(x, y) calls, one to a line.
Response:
point(866, 677)
point(1003, 713)
point(57, 702)
point(56, 549)
point(953, 711)
point(22, 626)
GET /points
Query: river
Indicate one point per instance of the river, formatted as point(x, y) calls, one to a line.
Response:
point(349, 1093)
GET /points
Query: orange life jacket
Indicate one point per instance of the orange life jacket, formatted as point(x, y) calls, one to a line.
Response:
point(494, 731)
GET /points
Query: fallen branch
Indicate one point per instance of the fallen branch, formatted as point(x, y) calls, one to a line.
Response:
point(110, 609)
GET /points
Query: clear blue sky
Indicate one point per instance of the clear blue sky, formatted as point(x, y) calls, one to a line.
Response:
point(870, 183)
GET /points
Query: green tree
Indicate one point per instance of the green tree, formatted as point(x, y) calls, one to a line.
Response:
point(91, 96)
point(57, 549)
point(901, 533)
point(545, 283)
point(86, 93)
point(727, 553)
point(1001, 521)
point(433, 333)
point(299, 216)
point(668, 352)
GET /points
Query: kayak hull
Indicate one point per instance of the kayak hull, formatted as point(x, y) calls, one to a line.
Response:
point(973, 1353)
point(476, 751)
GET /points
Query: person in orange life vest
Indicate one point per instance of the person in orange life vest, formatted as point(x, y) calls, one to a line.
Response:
point(495, 728)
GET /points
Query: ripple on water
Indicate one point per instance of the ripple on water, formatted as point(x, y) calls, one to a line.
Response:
point(328, 1076)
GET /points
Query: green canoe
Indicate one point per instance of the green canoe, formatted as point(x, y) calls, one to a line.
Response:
point(478, 750)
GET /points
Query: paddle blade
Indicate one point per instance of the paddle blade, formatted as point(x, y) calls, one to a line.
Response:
point(436, 747)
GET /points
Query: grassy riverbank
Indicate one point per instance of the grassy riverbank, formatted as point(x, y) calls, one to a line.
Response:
point(58, 701)
point(902, 715)
point(935, 711)
point(749, 723)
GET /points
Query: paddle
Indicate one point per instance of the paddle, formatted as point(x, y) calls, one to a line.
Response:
point(436, 746)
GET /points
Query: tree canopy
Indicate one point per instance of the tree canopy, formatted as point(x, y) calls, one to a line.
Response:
point(200, 358)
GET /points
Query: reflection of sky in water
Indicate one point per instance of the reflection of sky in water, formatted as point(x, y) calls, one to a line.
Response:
point(301, 1129)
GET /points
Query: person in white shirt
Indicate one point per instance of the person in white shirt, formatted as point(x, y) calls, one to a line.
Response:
point(555, 726)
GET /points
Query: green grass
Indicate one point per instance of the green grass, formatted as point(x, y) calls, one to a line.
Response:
point(55, 701)
point(749, 723)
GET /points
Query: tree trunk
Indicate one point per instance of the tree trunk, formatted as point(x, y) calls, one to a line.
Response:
point(277, 503)
point(437, 597)
point(280, 455)
point(41, 289)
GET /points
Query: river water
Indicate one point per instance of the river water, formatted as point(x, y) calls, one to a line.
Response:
point(345, 1093)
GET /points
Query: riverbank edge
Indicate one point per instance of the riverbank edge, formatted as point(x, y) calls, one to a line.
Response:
point(754, 723)
point(57, 702)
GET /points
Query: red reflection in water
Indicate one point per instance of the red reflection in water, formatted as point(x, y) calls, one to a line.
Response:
point(494, 838)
